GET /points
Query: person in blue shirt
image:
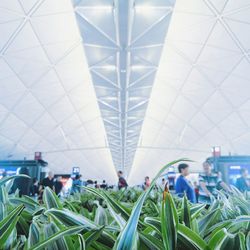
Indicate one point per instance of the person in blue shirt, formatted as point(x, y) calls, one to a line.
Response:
point(76, 185)
point(209, 183)
point(243, 184)
point(182, 185)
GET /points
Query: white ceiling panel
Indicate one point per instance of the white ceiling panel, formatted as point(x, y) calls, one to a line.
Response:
point(206, 59)
point(45, 86)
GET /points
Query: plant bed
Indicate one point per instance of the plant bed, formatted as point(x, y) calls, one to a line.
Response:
point(125, 220)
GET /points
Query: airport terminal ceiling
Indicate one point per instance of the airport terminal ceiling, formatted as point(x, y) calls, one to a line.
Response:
point(130, 85)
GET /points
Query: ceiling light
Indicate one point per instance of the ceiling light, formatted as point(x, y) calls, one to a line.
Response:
point(143, 9)
point(147, 9)
point(109, 67)
point(137, 67)
point(100, 7)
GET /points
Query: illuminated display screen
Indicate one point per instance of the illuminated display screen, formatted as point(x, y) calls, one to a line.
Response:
point(8, 170)
point(75, 170)
point(234, 172)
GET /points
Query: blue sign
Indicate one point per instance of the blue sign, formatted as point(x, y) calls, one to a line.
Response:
point(76, 170)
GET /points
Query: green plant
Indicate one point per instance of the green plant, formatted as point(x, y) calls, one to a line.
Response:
point(126, 219)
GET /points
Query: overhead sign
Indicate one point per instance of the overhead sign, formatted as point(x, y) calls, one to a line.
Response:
point(76, 170)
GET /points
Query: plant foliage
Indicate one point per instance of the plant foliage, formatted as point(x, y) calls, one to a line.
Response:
point(127, 219)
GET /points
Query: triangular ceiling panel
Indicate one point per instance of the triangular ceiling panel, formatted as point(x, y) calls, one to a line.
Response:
point(11, 93)
point(239, 16)
point(101, 18)
point(57, 51)
point(7, 33)
point(27, 5)
point(92, 34)
point(47, 8)
point(205, 61)
point(158, 31)
point(44, 86)
point(142, 24)
point(24, 104)
point(237, 27)
point(11, 5)
point(219, 4)
point(201, 8)
point(235, 5)
point(99, 54)
point(20, 42)
point(148, 56)
point(219, 37)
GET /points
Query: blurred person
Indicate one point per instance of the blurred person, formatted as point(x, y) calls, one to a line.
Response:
point(22, 183)
point(90, 183)
point(163, 184)
point(219, 176)
point(67, 187)
point(147, 183)
point(48, 181)
point(196, 191)
point(76, 185)
point(242, 183)
point(34, 188)
point(58, 185)
point(209, 182)
point(4, 174)
point(122, 183)
point(84, 183)
point(183, 185)
point(103, 185)
point(97, 185)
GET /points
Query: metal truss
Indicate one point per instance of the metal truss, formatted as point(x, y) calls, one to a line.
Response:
point(123, 42)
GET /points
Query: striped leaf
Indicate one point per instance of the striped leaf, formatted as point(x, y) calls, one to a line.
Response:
point(62, 233)
point(50, 199)
point(8, 178)
point(222, 240)
point(69, 218)
point(185, 212)
point(189, 239)
point(169, 223)
point(92, 235)
point(8, 224)
point(128, 237)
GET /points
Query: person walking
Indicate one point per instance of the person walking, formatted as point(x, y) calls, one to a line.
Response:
point(58, 185)
point(242, 183)
point(147, 183)
point(122, 183)
point(196, 191)
point(163, 184)
point(48, 181)
point(77, 183)
point(209, 183)
point(183, 186)
point(34, 189)
point(22, 183)
point(104, 185)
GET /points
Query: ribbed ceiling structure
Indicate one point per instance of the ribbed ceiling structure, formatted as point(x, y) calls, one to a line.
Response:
point(104, 84)
point(123, 42)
